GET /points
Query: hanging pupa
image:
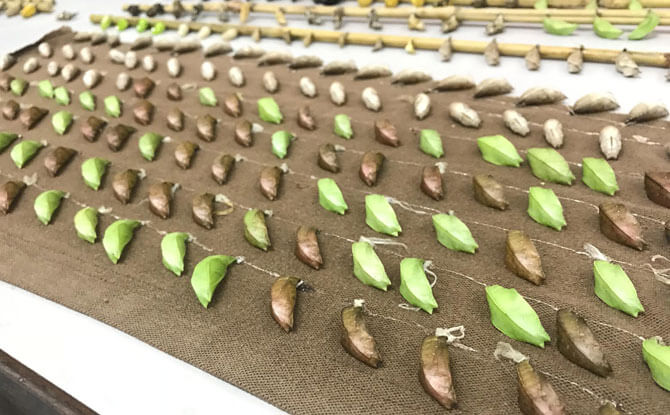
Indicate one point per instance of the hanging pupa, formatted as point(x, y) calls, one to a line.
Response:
point(492, 53)
point(445, 50)
point(575, 60)
point(414, 23)
point(497, 25)
point(625, 65)
point(533, 58)
point(450, 24)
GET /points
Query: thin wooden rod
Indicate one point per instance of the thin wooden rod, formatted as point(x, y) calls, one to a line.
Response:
point(462, 13)
point(400, 41)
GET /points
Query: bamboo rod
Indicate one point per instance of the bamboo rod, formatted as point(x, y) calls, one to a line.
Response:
point(559, 4)
point(462, 14)
point(400, 41)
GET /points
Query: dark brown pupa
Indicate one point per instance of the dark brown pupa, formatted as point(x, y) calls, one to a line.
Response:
point(222, 167)
point(92, 128)
point(371, 164)
point(269, 182)
point(578, 344)
point(202, 210)
point(431, 182)
point(356, 339)
point(57, 159)
point(206, 127)
point(31, 116)
point(489, 192)
point(386, 133)
point(9, 193)
point(328, 159)
point(143, 87)
point(5, 81)
point(184, 153)
point(244, 134)
point(522, 258)
point(435, 372)
point(283, 296)
point(307, 247)
point(10, 110)
point(175, 119)
point(232, 105)
point(118, 135)
point(305, 118)
point(143, 112)
point(536, 395)
point(657, 187)
point(160, 199)
point(124, 184)
point(173, 92)
point(618, 224)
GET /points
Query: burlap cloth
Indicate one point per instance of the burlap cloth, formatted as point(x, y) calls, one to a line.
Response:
point(307, 371)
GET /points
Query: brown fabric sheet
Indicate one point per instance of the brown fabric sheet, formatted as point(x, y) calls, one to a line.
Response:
point(307, 371)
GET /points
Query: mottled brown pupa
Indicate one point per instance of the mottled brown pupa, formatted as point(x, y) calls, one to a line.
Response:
point(283, 296)
point(356, 339)
point(536, 395)
point(435, 372)
point(307, 247)
point(618, 224)
point(522, 258)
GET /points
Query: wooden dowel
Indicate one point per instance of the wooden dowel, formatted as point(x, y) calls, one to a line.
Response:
point(400, 41)
point(441, 13)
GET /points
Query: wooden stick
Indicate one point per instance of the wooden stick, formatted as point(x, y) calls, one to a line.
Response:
point(462, 13)
point(399, 41)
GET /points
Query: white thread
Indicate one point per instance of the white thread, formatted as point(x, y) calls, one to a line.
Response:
point(595, 253)
point(441, 166)
point(406, 306)
point(452, 333)
point(663, 274)
point(405, 205)
point(506, 350)
point(426, 265)
point(381, 241)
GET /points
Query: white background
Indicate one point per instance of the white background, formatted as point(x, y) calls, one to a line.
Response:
point(114, 373)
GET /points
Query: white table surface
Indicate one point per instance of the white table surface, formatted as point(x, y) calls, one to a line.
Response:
point(98, 364)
